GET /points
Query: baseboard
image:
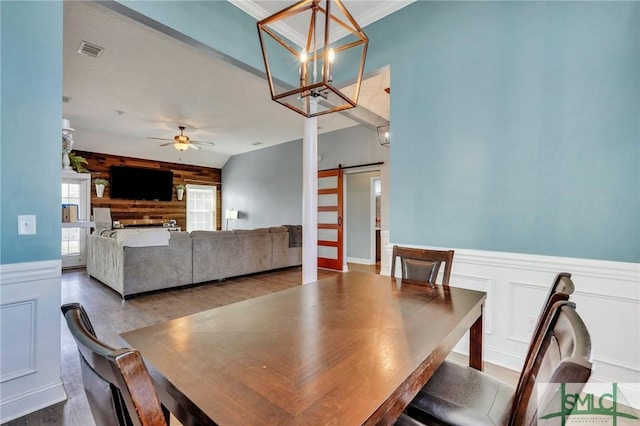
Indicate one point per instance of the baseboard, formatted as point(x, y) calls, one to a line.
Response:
point(36, 399)
point(360, 261)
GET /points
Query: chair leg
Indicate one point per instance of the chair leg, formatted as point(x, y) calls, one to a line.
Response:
point(166, 414)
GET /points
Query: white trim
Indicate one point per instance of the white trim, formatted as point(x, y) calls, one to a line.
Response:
point(590, 267)
point(372, 15)
point(14, 273)
point(622, 271)
point(251, 8)
point(360, 261)
point(607, 293)
point(191, 191)
point(372, 218)
point(381, 10)
point(385, 253)
point(36, 383)
point(31, 351)
point(497, 356)
point(33, 400)
point(475, 282)
point(617, 363)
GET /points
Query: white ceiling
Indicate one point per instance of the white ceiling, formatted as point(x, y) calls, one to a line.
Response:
point(146, 83)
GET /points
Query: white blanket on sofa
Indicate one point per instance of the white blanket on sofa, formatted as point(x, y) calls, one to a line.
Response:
point(140, 237)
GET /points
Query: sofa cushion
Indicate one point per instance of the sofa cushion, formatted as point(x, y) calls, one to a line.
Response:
point(256, 231)
point(277, 229)
point(231, 254)
point(282, 254)
point(155, 268)
point(178, 234)
point(143, 237)
point(211, 234)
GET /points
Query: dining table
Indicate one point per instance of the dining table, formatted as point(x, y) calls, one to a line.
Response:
point(351, 349)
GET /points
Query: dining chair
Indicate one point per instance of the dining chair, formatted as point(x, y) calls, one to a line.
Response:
point(471, 397)
point(422, 265)
point(561, 288)
point(117, 384)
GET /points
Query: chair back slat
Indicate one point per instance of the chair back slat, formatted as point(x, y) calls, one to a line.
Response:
point(117, 384)
point(561, 288)
point(422, 265)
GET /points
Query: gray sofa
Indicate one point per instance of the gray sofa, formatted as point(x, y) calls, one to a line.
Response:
point(190, 258)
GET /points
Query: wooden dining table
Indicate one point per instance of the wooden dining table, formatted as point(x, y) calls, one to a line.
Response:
point(347, 350)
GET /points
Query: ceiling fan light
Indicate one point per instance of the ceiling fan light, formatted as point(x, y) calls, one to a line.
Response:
point(181, 146)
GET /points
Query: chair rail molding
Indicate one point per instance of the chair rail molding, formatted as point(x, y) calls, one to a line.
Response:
point(30, 346)
point(607, 296)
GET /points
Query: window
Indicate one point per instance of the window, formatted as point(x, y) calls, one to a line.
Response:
point(71, 236)
point(201, 208)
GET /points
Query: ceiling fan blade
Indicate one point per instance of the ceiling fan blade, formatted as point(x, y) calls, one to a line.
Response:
point(159, 139)
point(165, 144)
point(203, 143)
point(192, 146)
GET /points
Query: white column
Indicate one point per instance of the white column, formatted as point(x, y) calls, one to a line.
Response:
point(310, 198)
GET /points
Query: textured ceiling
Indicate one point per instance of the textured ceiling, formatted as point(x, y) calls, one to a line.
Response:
point(146, 83)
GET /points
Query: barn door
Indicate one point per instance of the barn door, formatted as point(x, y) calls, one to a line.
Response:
point(330, 224)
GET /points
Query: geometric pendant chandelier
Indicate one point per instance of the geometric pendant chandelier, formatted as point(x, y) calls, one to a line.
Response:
point(321, 71)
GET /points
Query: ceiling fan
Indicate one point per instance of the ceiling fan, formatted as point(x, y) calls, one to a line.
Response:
point(182, 142)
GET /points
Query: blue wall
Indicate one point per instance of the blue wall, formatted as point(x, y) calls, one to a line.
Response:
point(515, 126)
point(31, 106)
point(515, 123)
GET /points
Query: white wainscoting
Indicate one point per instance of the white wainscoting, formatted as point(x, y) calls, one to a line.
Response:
point(30, 338)
point(607, 297)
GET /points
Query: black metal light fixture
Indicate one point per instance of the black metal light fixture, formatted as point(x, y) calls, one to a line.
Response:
point(320, 73)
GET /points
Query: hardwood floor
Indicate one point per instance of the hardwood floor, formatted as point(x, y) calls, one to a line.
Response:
point(111, 316)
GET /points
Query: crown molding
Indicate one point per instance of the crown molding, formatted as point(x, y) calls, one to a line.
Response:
point(373, 14)
point(382, 9)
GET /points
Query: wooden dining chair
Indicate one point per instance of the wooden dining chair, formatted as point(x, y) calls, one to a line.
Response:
point(471, 397)
point(422, 265)
point(117, 384)
point(561, 289)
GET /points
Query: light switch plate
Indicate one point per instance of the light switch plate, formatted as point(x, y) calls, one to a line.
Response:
point(26, 224)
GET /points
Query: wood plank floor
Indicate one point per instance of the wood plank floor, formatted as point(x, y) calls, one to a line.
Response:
point(111, 316)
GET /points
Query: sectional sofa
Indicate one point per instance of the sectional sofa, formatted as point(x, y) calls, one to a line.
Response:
point(131, 268)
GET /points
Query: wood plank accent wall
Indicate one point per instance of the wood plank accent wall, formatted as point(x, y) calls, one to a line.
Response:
point(138, 212)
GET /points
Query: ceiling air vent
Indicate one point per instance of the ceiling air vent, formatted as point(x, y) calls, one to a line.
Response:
point(89, 49)
point(66, 99)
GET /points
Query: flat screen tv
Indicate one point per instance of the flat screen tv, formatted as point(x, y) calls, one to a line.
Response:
point(138, 183)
